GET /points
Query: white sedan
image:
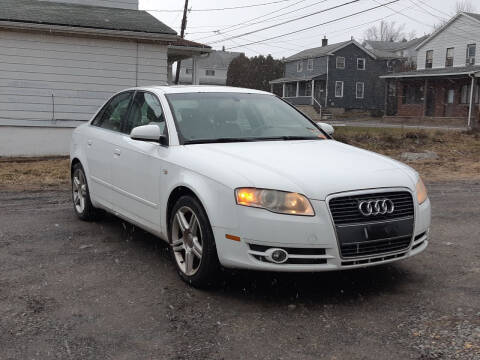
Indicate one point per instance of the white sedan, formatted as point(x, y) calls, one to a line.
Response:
point(241, 179)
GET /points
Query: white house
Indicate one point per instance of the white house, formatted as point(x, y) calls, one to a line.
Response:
point(60, 61)
point(211, 69)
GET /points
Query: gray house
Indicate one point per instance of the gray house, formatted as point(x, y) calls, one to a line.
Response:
point(405, 50)
point(342, 76)
point(209, 69)
point(60, 60)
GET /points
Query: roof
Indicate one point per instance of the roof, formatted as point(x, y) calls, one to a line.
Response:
point(450, 71)
point(395, 45)
point(326, 50)
point(178, 89)
point(381, 54)
point(81, 16)
point(188, 43)
point(294, 79)
point(473, 16)
point(215, 60)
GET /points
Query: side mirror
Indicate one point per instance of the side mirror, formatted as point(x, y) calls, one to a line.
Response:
point(327, 128)
point(149, 133)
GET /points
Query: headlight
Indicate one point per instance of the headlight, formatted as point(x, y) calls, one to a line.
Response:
point(276, 201)
point(421, 191)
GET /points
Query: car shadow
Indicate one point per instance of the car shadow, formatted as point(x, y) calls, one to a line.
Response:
point(325, 287)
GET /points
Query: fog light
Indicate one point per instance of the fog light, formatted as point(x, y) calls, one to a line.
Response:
point(278, 256)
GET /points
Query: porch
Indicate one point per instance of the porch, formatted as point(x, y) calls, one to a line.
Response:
point(440, 94)
point(302, 91)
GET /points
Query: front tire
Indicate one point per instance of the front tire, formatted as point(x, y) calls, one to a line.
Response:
point(82, 204)
point(193, 244)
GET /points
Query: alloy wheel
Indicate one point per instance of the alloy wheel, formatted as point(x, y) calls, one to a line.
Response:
point(79, 189)
point(187, 240)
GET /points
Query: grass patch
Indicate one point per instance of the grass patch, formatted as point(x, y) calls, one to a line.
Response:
point(34, 173)
point(458, 151)
point(458, 156)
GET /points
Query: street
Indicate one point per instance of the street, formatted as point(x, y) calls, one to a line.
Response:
point(107, 290)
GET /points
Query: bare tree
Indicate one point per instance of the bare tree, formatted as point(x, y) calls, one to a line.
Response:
point(464, 6)
point(385, 31)
point(460, 6)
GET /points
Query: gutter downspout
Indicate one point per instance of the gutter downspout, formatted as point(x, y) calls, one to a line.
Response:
point(472, 88)
point(326, 83)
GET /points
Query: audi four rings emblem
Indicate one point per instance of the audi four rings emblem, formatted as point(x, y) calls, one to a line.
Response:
point(376, 207)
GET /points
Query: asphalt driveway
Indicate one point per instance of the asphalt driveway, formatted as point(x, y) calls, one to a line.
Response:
point(107, 290)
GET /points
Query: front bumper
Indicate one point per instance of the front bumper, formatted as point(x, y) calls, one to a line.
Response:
point(264, 230)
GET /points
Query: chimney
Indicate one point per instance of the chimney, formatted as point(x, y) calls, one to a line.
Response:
point(324, 41)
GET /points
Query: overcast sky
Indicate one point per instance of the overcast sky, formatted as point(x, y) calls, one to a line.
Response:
point(417, 15)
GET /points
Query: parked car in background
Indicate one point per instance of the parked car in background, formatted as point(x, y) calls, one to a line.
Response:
point(239, 178)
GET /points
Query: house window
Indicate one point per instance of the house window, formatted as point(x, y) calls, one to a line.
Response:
point(360, 64)
point(471, 50)
point(465, 94)
point(429, 59)
point(300, 66)
point(412, 94)
point(449, 58)
point(188, 71)
point(360, 90)
point(310, 65)
point(210, 72)
point(290, 89)
point(450, 96)
point(340, 62)
point(338, 89)
point(477, 94)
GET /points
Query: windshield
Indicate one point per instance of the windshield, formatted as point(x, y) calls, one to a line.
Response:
point(230, 117)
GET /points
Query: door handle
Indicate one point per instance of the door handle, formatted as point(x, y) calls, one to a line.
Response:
point(117, 152)
point(89, 142)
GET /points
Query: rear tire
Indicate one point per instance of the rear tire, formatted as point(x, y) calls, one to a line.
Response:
point(193, 244)
point(82, 204)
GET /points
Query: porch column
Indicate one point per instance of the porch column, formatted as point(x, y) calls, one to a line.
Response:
point(472, 89)
point(298, 88)
point(195, 77)
point(425, 93)
point(313, 90)
point(283, 90)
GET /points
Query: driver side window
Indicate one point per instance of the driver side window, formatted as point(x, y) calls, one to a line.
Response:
point(146, 109)
point(114, 112)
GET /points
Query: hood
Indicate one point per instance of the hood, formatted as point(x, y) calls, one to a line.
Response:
point(314, 168)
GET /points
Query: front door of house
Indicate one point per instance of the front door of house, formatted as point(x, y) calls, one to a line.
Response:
point(430, 103)
point(319, 92)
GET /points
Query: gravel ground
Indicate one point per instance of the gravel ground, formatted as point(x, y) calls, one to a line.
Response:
point(107, 290)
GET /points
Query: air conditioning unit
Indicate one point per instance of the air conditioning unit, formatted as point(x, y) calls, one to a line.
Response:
point(471, 60)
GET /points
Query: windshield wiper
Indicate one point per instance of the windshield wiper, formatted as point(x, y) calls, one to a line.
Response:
point(291, 137)
point(218, 140)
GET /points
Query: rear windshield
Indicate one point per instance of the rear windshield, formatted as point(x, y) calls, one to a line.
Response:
point(224, 117)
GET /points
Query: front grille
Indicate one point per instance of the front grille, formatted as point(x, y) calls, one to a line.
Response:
point(374, 247)
point(345, 209)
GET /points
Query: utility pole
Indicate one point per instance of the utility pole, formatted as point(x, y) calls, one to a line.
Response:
point(182, 35)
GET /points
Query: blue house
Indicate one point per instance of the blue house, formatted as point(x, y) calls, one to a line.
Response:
point(342, 76)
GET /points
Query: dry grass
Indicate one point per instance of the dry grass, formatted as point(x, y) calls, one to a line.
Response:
point(34, 173)
point(458, 152)
point(459, 156)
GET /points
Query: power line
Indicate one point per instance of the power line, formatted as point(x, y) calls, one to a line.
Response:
point(314, 26)
point(226, 27)
point(289, 21)
point(250, 23)
point(222, 9)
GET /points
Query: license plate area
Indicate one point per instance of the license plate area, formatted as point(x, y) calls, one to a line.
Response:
point(359, 240)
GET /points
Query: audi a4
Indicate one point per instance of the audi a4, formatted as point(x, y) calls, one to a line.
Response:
point(238, 178)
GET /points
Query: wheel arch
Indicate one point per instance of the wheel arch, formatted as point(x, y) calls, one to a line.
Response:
point(175, 194)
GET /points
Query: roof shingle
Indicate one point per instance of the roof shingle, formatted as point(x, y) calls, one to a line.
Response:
point(83, 16)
